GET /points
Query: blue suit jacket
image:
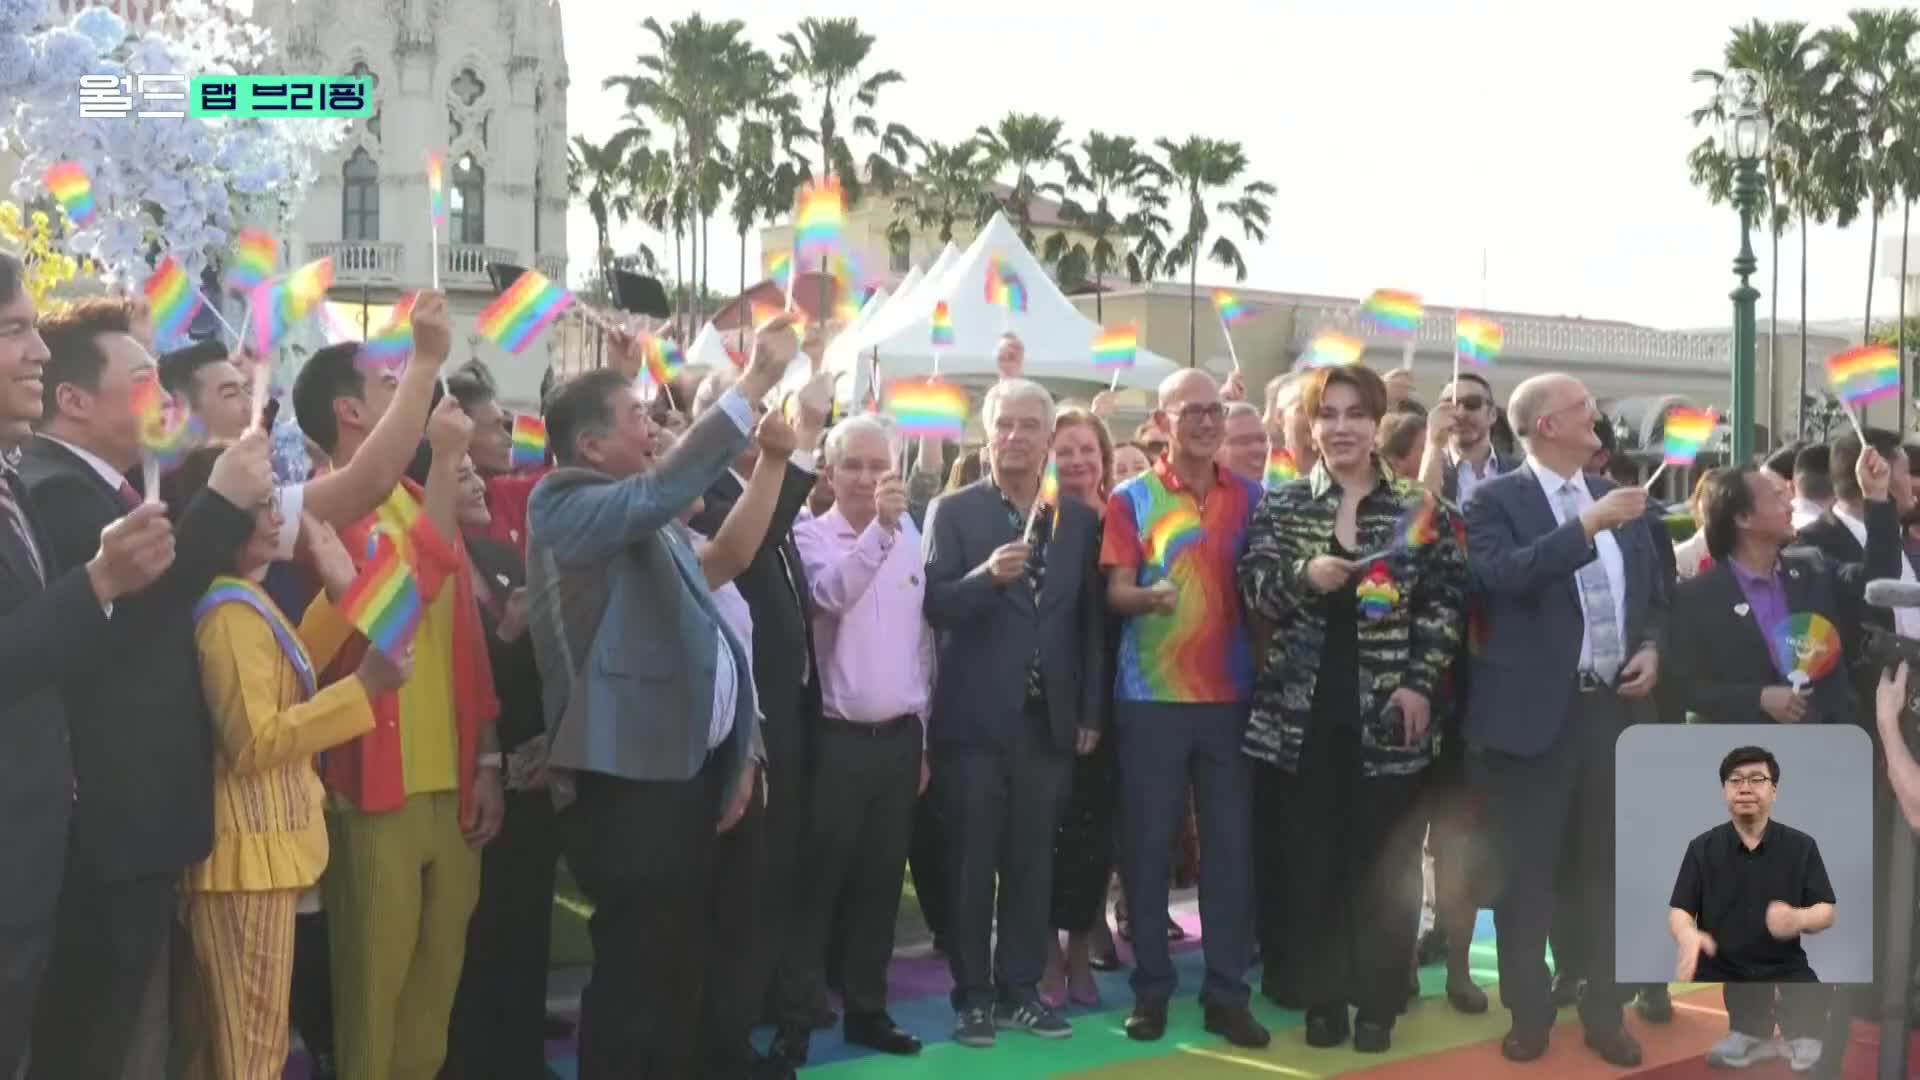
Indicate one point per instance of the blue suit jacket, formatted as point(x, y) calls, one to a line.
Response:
point(1525, 564)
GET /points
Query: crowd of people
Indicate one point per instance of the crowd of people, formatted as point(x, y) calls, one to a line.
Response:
point(746, 665)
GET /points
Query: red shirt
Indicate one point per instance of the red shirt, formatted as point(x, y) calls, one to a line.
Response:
point(507, 504)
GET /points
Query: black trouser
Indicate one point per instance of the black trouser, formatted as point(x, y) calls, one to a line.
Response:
point(927, 856)
point(311, 1004)
point(23, 964)
point(782, 832)
point(1083, 844)
point(1351, 906)
point(103, 1007)
point(1801, 1008)
point(1280, 977)
point(865, 780)
point(1536, 807)
point(1564, 930)
point(671, 927)
point(499, 1019)
point(1002, 804)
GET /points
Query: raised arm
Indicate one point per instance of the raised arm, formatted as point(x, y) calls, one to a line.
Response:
point(239, 658)
point(1502, 564)
point(344, 495)
point(839, 578)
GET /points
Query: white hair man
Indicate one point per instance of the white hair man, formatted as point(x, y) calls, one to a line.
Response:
point(865, 578)
point(1576, 614)
point(1013, 592)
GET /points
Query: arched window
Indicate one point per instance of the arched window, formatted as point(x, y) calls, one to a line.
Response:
point(467, 221)
point(360, 199)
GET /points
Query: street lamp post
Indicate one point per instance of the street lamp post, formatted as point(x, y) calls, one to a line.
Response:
point(1746, 138)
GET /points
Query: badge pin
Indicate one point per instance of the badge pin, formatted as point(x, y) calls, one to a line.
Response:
point(1741, 609)
point(502, 579)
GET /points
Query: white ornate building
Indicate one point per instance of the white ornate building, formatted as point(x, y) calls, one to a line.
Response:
point(484, 80)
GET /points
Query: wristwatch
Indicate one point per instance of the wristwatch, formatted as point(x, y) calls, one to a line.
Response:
point(488, 761)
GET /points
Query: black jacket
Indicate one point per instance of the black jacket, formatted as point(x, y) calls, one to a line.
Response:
point(47, 633)
point(143, 739)
point(516, 676)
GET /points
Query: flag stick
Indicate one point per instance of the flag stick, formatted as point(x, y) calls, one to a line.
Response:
point(1033, 515)
point(221, 319)
point(1233, 353)
point(1406, 356)
point(1113, 384)
point(1456, 363)
point(150, 477)
point(433, 228)
point(936, 363)
point(1656, 476)
point(1847, 408)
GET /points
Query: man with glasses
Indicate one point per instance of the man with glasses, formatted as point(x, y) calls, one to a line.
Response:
point(1746, 892)
point(1575, 620)
point(1174, 535)
point(1460, 457)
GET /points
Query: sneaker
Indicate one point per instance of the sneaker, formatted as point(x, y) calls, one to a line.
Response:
point(1803, 1054)
point(973, 1027)
point(1033, 1017)
point(1737, 1051)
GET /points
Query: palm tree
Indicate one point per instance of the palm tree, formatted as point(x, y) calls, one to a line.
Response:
point(1871, 52)
point(767, 172)
point(1026, 141)
point(830, 55)
point(689, 83)
point(1199, 168)
point(1116, 167)
point(604, 175)
point(951, 186)
point(1903, 159)
point(1782, 56)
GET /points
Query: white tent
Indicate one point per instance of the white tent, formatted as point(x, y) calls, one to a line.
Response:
point(1058, 338)
point(906, 302)
point(708, 350)
point(869, 309)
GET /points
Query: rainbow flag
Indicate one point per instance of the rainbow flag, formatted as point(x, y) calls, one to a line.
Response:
point(1050, 483)
point(529, 441)
point(254, 254)
point(173, 299)
point(395, 340)
point(1281, 468)
point(1477, 338)
point(662, 358)
point(1332, 349)
point(1169, 534)
point(1004, 287)
point(437, 187)
point(167, 428)
point(928, 409)
point(671, 358)
point(942, 326)
point(1393, 312)
point(284, 301)
point(73, 189)
point(1864, 373)
point(1232, 311)
point(1686, 431)
point(1116, 347)
point(516, 316)
point(1421, 525)
point(383, 602)
point(780, 267)
point(818, 220)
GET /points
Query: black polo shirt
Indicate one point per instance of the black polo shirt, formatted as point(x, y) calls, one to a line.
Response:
point(1727, 888)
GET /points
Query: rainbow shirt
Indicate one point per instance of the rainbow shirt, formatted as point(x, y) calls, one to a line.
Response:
point(1199, 654)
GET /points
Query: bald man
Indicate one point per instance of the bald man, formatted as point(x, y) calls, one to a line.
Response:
point(1575, 618)
point(1184, 682)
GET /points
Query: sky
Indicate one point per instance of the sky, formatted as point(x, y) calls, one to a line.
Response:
point(1406, 139)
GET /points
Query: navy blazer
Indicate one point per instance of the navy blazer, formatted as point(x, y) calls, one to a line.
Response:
point(1525, 565)
point(985, 634)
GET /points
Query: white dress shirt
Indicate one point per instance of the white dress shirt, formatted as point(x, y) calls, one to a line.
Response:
point(1466, 477)
point(113, 477)
point(1906, 621)
point(1608, 549)
point(726, 689)
point(1805, 512)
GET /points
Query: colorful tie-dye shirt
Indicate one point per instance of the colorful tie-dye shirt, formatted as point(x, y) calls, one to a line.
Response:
point(1200, 653)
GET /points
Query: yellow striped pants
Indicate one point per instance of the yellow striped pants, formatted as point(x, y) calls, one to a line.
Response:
point(234, 1023)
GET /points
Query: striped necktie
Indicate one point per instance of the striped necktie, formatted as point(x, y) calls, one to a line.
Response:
point(17, 520)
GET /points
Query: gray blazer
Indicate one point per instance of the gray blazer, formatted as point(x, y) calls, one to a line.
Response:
point(624, 627)
point(1524, 565)
point(986, 633)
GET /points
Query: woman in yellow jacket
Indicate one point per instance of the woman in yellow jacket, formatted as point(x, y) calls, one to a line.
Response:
point(270, 834)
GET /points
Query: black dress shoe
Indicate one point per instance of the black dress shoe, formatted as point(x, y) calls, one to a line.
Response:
point(1148, 1021)
point(877, 1031)
point(1566, 990)
point(789, 1047)
point(1236, 1024)
point(1466, 997)
point(1372, 1038)
point(1104, 961)
point(1615, 1047)
point(772, 1068)
point(1523, 1046)
point(823, 1017)
point(1327, 1028)
point(1654, 1004)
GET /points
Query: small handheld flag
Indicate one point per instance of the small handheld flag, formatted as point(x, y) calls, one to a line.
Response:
point(1686, 431)
point(780, 268)
point(1864, 373)
point(437, 187)
point(518, 315)
point(1418, 527)
point(818, 220)
point(172, 299)
point(928, 409)
point(1049, 497)
point(384, 602)
point(1392, 312)
point(1332, 349)
point(395, 340)
point(529, 441)
point(1280, 467)
point(282, 302)
point(1806, 647)
point(73, 189)
point(1232, 311)
point(1477, 340)
point(942, 334)
point(254, 255)
point(1116, 347)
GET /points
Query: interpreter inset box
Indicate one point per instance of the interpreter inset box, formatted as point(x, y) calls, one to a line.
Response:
point(1748, 847)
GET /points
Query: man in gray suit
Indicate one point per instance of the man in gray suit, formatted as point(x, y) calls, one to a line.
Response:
point(1019, 618)
point(652, 724)
point(1576, 615)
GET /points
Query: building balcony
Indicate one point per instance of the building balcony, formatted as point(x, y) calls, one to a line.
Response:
point(466, 264)
point(359, 263)
point(555, 268)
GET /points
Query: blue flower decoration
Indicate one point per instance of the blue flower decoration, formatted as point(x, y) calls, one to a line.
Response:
point(100, 26)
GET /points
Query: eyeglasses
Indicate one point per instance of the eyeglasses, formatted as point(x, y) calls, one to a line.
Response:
point(1585, 403)
point(1742, 782)
point(1191, 414)
point(1470, 403)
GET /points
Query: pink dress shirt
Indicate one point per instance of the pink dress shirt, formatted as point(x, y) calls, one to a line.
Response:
point(874, 646)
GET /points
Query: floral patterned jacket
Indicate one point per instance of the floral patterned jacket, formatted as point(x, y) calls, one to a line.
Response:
point(1411, 618)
